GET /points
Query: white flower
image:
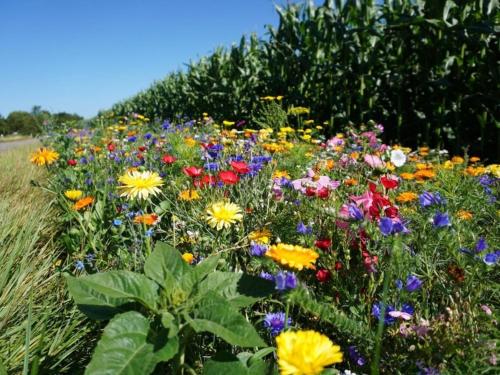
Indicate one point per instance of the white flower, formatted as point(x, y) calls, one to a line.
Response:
point(398, 158)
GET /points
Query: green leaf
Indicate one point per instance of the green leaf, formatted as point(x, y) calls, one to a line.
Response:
point(100, 294)
point(123, 347)
point(216, 315)
point(165, 265)
point(238, 288)
point(3, 369)
point(168, 351)
point(202, 269)
point(226, 363)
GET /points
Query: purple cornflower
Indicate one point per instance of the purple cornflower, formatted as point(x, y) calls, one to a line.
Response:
point(266, 276)
point(377, 309)
point(275, 322)
point(428, 199)
point(132, 138)
point(481, 245)
point(441, 220)
point(491, 258)
point(413, 283)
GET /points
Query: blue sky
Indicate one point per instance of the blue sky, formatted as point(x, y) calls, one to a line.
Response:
point(84, 55)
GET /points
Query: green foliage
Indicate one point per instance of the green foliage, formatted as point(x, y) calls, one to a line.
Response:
point(427, 69)
point(270, 115)
point(175, 297)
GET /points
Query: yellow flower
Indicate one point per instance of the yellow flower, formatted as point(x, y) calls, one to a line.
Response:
point(140, 184)
point(494, 169)
point(464, 215)
point(457, 160)
point(448, 165)
point(228, 123)
point(73, 194)
point(190, 142)
point(306, 137)
point(407, 176)
point(407, 196)
point(223, 215)
point(281, 174)
point(44, 156)
point(474, 159)
point(298, 111)
point(188, 257)
point(293, 256)
point(189, 195)
point(260, 236)
point(82, 203)
point(305, 352)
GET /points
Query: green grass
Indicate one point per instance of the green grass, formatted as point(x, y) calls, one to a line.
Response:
point(39, 326)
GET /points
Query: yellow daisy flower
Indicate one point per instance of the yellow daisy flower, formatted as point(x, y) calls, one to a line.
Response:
point(305, 352)
point(189, 195)
point(260, 236)
point(73, 194)
point(140, 184)
point(293, 256)
point(223, 214)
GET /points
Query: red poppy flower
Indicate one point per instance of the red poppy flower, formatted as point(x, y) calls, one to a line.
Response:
point(168, 159)
point(142, 148)
point(323, 275)
point(310, 192)
point(338, 266)
point(192, 171)
point(323, 193)
point(391, 212)
point(323, 244)
point(111, 147)
point(240, 167)
point(228, 177)
point(389, 182)
point(72, 162)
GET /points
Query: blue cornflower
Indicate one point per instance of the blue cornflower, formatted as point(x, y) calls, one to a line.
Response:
point(257, 250)
point(399, 284)
point(355, 213)
point(491, 258)
point(356, 356)
point(266, 276)
point(385, 225)
point(377, 309)
point(275, 322)
point(117, 222)
point(147, 136)
point(211, 167)
point(441, 220)
point(285, 280)
point(413, 283)
point(481, 245)
point(165, 125)
point(79, 265)
point(83, 160)
point(428, 199)
point(132, 138)
point(303, 229)
point(149, 232)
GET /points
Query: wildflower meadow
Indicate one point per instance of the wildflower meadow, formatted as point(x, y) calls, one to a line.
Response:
point(277, 240)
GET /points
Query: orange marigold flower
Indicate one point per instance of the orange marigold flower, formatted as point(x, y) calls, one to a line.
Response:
point(406, 197)
point(424, 174)
point(464, 215)
point(148, 219)
point(188, 258)
point(82, 203)
point(457, 160)
point(293, 256)
point(474, 159)
point(351, 182)
point(407, 176)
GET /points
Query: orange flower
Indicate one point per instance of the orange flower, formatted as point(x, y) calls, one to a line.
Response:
point(424, 174)
point(82, 203)
point(464, 215)
point(351, 182)
point(457, 160)
point(148, 219)
point(407, 196)
point(474, 159)
point(407, 176)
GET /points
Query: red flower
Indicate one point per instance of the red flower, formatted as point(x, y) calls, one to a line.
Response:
point(204, 181)
point(389, 182)
point(338, 266)
point(323, 244)
point(168, 159)
point(192, 171)
point(72, 162)
point(142, 148)
point(323, 193)
point(140, 156)
point(240, 167)
point(391, 212)
point(310, 192)
point(111, 147)
point(228, 177)
point(323, 275)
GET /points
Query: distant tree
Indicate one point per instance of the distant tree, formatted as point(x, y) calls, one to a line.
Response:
point(22, 123)
point(3, 125)
point(62, 117)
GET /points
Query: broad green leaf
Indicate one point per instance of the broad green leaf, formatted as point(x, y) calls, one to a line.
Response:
point(226, 363)
point(168, 321)
point(165, 265)
point(100, 294)
point(200, 271)
point(123, 348)
point(216, 315)
point(168, 351)
point(238, 288)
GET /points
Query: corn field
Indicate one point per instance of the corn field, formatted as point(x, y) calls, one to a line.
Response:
point(428, 69)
